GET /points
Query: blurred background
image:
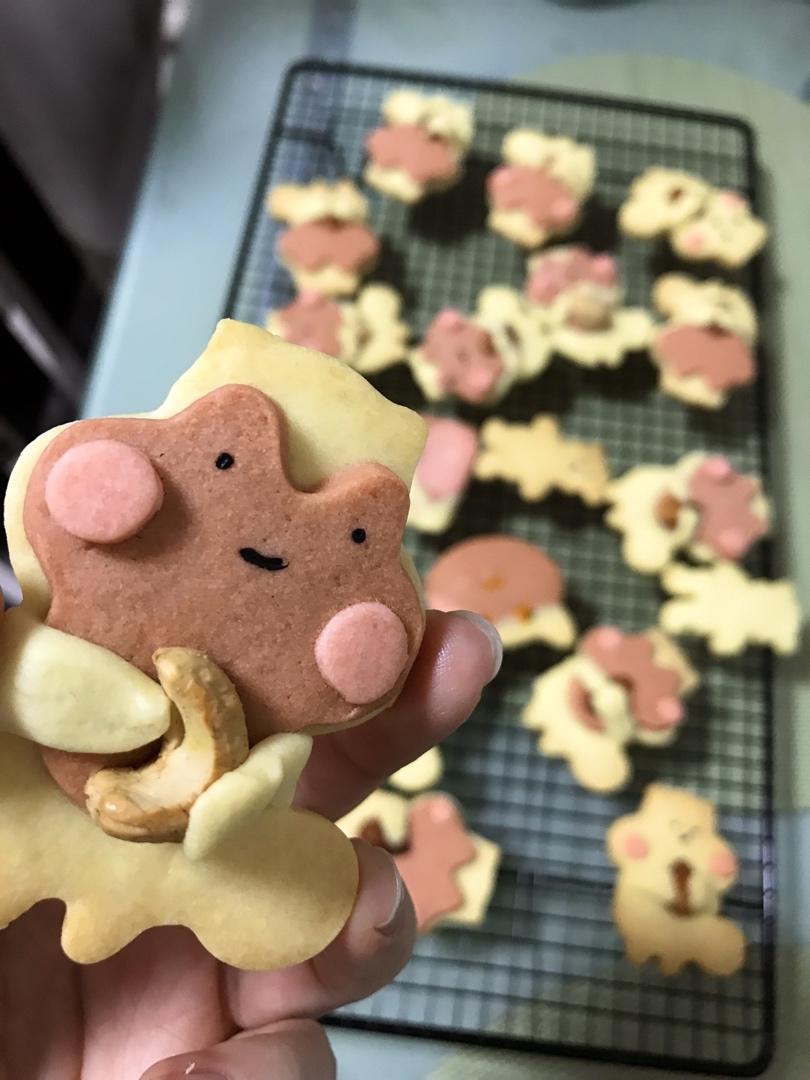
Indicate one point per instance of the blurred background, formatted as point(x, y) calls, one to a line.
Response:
point(131, 134)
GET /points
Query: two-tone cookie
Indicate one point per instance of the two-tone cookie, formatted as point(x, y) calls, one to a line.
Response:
point(420, 148)
point(580, 297)
point(616, 689)
point(329, 246)
point(701, 506)
point(443, 474)
point(705, 350)
point(538, 191)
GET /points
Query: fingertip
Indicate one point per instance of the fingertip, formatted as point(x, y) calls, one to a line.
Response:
point(493, 638)
point(383, 916)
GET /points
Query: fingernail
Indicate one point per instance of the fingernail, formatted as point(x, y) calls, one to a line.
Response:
point(191, 1072)
point(492, 636)
point(393, 921)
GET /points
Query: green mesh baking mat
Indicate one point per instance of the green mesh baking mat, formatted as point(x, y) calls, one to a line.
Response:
point(546, 970)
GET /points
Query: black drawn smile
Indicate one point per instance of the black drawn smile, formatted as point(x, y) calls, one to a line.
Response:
point(264, 562)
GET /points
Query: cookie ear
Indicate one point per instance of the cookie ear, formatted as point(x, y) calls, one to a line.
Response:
point(103, 491)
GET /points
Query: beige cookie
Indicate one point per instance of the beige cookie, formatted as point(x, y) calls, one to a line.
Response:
point(329, 246)
point(673, 871)
point(538, 458)
point(700, 505)
point(517, 328)
point(617, 689)
point(661, 199)
point(381, 818)
point(705, 350)
point(421, 148)
point(724, 230)
point(729, 609)
point(422, 773)
point(539, 190)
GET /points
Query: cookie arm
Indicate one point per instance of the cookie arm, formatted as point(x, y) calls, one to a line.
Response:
point(60, 691)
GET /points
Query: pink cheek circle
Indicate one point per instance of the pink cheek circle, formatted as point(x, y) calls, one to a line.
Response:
point(563, 209)
point(607, 637)
point(669, 711)
point(103, 491)
point(723, 864)
point(718, 467)
point(634, 846)
point(604, 270)
point(448, 319)
point(731, 543)
point(694, 241)
point(362, 651)
point(442, 811)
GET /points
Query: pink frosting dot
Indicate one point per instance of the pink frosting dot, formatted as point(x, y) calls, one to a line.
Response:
point(442, 810)
point(669, 711)
point(604, 269)
point(718, 467)
point(723, 864)
point(607, 637)
point(635, 846)
point(694, 241)
point(732, 199)
point(448, 318)
point(361, 652)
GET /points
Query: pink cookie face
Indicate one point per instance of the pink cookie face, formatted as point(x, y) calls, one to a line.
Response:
point(426, 158)
point(722, 359)
point(629, 659)
point(317, 244)
point(446, 464)
point(729, 522)
point(313, 321)
point(468, 363)
point(535, 192)
point(280, 588)
point(103, 491)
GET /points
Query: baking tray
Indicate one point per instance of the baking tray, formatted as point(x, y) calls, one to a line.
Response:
point(546, 970)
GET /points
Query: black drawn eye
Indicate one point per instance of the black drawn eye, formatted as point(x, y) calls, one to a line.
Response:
point(359, 536)
point(224, 461)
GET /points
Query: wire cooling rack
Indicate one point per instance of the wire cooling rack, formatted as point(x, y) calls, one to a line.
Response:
point(546, 970)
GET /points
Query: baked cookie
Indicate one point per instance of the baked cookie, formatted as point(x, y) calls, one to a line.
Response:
point(137, 686)
point(580, 297)
point(539, 190)
point(329, 246)
point(367, 333)
point(673, 871)
point(509, 581)
point(729, 609)
point(442, 474)
point(706, 348)
point(449, 872)
point(725, 231)
point(616, 689)
point(700, 505)
point(703, 222)
point(538, 458)
point(661, 199)
point(419, 775)
point(421, 147)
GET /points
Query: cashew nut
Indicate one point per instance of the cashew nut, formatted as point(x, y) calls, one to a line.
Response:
point(206, 738)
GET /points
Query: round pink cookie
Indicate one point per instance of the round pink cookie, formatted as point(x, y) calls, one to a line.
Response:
point(362, 651)
point(103, 491)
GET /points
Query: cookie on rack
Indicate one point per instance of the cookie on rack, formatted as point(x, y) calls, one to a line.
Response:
point(442, 474)
point(420, 774)
point(700, 506)
point(580, 295)
point(725, 231)
point(367, 333)
point(421, 147)
point(731, 610)
point(538, 458)
point(450, 872)
point(329, 246)
point(616, 689)
point(539, 190)
point(673, 869)
point(705, 350)
point(478, 358)
point(703, 222)
point(509, 581)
